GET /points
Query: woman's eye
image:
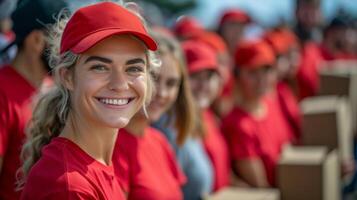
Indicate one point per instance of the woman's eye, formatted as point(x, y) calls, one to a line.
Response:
point(135, 69)
point(172, 83)
point(99, 68)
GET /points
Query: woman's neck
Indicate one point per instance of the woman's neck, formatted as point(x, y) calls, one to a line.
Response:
point(32, 70)
point(255, 107)
point(97, 141)
point(138, 124)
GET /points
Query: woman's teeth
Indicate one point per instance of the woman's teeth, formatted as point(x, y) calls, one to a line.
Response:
point(117, 102)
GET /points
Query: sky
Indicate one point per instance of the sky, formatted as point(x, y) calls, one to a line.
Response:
point(266, 12)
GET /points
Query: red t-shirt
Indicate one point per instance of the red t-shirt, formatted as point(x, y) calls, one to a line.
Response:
point(16, 96)
point(217, 150)
point(307, 76)
point(65, 171)
point(290, 108)
point(252, 138)
point(146, 166)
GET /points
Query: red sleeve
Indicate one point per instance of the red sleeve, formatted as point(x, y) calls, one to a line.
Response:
point(241, 138)
point(4, 124)
point(176, 169)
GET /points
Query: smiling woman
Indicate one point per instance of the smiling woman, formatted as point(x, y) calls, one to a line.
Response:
point(102, 79)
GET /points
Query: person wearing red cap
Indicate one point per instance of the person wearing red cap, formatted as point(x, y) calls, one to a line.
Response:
point(20, 82)
point(144, 161)
point(284, 44)
point(224, 102)
point(205, 83)
point(102, 79)
point(255, 129)
point(186, 26)
point(231, 27)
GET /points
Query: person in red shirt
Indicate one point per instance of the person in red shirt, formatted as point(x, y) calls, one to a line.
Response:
point(224, 102)
point(20, 81)
point(231, 27)
point(145, 163)
point(205, 84)
point(172, 111)
point(284, 43)
point(255, 129)
point(102, 79)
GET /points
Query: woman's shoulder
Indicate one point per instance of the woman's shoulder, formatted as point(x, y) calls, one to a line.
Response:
point(238, 119)
point(57, 173)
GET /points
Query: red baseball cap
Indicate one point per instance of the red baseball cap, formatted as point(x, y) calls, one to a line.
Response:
point(212, 39)
point(199, 56)
point(235, 15)
point(281, 40)
point(91, 24)
point(254, 54)
point(186, 26)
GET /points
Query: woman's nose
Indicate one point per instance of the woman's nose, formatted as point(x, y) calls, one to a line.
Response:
point(118, 81)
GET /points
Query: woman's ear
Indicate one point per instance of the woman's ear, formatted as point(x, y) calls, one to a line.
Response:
point(66, 77)
point(35, 42)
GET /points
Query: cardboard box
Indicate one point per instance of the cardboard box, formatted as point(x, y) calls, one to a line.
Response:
point(327, 122)
point(235, 193)
point(341, 81)
point(309, 173)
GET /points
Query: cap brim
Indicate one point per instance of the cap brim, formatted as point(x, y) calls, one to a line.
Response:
point(98, 36)
point(203, 65)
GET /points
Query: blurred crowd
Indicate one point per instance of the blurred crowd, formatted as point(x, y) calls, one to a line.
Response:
point(226, 102)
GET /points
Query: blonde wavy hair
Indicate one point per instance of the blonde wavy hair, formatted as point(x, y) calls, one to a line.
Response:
point(53, 107)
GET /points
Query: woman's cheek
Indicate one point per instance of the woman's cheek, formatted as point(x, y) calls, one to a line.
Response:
point(140, 85)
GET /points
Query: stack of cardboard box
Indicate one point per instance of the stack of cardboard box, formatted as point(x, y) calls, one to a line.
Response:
point(309, 173)
point(327, 122)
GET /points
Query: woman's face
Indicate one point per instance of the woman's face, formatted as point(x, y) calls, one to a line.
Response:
point(206, 85)
point(109, 82)
point(254, 83)
point(168, 81)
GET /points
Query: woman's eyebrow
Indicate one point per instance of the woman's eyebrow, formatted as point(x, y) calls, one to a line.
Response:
point(98, 58)
point(135, 61)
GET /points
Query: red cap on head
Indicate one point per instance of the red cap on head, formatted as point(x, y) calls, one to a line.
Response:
point(199, 56)
point(91, 24)
point(212, 39)
point(280, 40)
point(235, 15)
point(185, 26)
point(254, 54)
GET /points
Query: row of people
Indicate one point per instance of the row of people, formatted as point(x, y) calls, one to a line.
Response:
point(115, 125)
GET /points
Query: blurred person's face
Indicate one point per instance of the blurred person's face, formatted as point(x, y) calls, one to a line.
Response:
point(224, 65)
point(339, 40)
point(287, 64)
point(168, 81)
point(5, 25)
point(108, 83)
point(309, 15)
point(205, 87)
point(232, 33)
point(255, 83)
point(351, 40)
